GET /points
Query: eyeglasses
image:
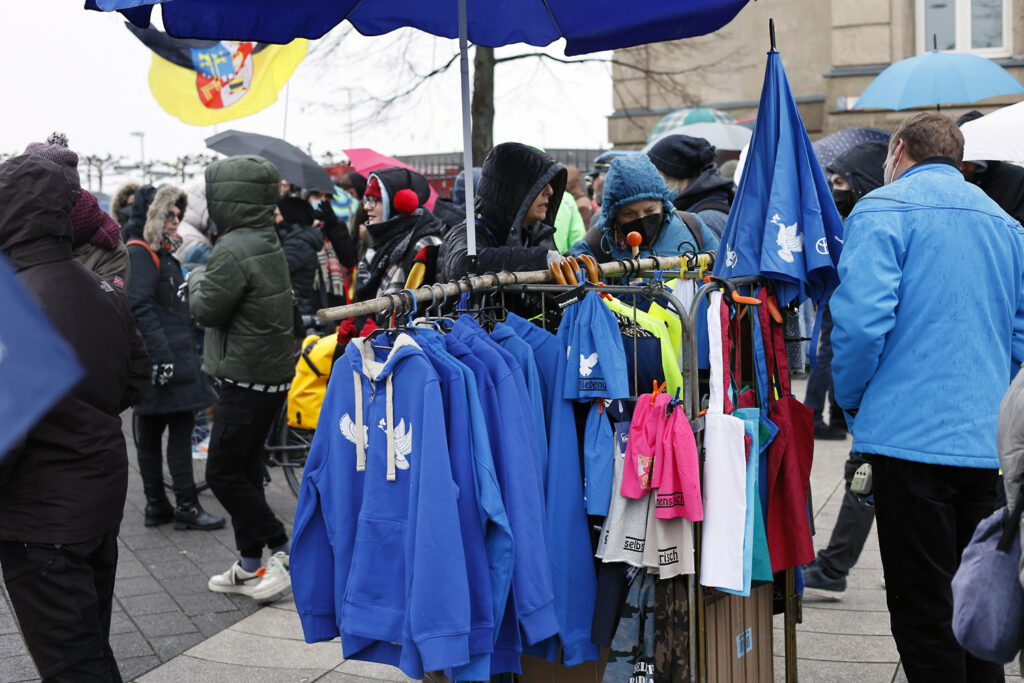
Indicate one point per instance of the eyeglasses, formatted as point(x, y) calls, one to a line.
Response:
point(369, 201)
point(171, 216)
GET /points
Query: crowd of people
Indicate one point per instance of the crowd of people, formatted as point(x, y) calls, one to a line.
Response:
point(185, 298)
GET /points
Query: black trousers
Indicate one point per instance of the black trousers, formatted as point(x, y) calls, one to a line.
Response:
point(851, 530)
point(234, 469)
point(819, 379)
point(148, 438)
point(62, 596)
point(926, 515)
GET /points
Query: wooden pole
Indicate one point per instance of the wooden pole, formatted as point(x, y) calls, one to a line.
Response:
point(426, 294)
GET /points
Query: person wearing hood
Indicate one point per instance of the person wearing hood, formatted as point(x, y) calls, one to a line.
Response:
point(1002, 181)
point(194, 229)
point(688, 166)
point(636, 199)
point(63, 487)
point(139, 206)
point(399, 227)
point(853, 174)
point(301, 242)
point(518, 196)
point(243, 297)
point(121, 204)
point(96, 242)
point(179, 386)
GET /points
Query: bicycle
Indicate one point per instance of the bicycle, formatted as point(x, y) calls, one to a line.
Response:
point(287, 447)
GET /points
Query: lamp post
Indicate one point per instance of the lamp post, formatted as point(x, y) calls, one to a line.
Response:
point(142, 152)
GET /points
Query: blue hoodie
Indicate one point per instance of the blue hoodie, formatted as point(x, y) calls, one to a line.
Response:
point(483, 515)
point(921, 351)
point(507, 339)
point(569, 547)
point(532, 603)
point(377, 554)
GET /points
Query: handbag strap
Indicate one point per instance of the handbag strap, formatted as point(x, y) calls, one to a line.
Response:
point(718, 365)
point(1011, 524)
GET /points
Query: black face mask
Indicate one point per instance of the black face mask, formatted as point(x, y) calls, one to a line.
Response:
point(648, 227)
point(844, 200)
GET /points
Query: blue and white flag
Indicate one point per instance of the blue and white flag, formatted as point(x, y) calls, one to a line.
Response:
point(37, 367)
point(784, 224)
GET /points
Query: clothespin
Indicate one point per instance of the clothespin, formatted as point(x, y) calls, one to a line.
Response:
point(672, 403)
point(600, 405)
point(703, 260)
point(657, 390)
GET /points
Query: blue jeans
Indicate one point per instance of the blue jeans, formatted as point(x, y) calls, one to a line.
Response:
point(819, 380)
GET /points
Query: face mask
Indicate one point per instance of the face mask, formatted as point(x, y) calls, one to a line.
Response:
point(647, 226)
point(844, 201)
point(890, 171)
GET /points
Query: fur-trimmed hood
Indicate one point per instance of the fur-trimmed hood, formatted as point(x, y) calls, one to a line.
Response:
point(120, 200)
point(166, 197)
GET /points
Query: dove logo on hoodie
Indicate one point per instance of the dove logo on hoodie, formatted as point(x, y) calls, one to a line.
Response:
point(403, 442)
point(789, 240)
point(587, 363)
point(348, 430)
point(588, 383)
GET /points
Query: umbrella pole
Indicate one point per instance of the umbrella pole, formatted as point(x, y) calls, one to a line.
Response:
point(467, 139)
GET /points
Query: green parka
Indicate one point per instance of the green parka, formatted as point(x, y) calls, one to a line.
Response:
point(243, 296)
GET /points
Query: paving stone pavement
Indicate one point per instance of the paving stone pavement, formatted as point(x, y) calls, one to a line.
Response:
point(162, 606)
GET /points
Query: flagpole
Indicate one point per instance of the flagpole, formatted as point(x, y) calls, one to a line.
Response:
point(287, 91)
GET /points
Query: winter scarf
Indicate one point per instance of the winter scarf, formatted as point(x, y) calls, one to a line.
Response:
point(391, 241)
point(91, 224)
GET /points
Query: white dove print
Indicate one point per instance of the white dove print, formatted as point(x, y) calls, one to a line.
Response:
point(348, 430)
point(788, 239)
point(587, 363)
point(403, 442)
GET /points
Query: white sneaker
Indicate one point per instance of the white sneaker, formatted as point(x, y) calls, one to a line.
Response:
point(236, 580)
point(200, 449)
point(275, 578)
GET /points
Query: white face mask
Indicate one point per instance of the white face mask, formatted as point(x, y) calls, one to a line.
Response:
point(890, 171)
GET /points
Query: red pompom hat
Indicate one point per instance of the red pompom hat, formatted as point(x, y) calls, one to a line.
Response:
point(401, 190)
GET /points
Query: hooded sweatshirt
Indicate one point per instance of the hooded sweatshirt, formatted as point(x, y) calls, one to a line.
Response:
point(194, 229)
point(512, 176)
point(377, 552)
point(630, 179)
point(532, 599)
point(704, 196)
point(568, 532)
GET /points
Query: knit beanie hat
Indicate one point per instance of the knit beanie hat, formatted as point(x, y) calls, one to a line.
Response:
point(681, 156)
point(56, 150)
point(358, 182)
point(632, 178)
point(92, 224)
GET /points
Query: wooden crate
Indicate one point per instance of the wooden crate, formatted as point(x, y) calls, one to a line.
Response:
point(739, 637)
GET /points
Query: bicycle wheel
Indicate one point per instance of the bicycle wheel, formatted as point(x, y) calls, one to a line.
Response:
point(200, 445)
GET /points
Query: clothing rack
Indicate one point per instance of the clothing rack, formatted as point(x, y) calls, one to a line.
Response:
point(689, 266)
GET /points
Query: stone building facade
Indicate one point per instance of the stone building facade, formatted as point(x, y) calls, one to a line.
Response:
point(831, 49)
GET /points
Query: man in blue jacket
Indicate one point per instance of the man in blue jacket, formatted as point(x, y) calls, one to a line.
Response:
point(929, 317)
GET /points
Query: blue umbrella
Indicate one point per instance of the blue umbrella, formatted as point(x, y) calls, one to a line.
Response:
point(937, 78)
point(37, 367)
point(783, 224)
point(586, 25)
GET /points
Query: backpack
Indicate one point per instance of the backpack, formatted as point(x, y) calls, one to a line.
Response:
point(309, 386)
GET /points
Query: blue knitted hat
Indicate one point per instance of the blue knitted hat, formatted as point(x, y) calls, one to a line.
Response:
point(630, 179)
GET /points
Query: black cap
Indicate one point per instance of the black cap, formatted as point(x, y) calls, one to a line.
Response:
point(682, 156)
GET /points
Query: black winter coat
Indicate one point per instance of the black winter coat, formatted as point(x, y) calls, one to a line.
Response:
point(301, 244)
point(66, 482)
point(133, 228)
point(1004, 183)
point(512, 177)
point(166, 325)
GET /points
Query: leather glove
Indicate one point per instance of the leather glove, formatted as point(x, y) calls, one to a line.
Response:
point(326, 214)
point(162, 373)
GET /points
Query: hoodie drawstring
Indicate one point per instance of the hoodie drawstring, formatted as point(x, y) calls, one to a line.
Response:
point(389, 398)
point(360, 430)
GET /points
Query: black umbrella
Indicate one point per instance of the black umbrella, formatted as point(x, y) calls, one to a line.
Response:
point(294, 165)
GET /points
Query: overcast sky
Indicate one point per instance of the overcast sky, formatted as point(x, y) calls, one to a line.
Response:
point(84, 74)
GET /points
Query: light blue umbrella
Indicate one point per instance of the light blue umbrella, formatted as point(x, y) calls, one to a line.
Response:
point(688, 116)
point(938, 78)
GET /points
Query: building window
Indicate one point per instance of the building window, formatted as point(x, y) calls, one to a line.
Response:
point(982, 27)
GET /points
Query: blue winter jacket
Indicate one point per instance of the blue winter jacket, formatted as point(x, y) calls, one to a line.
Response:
point(569, 548)
point(377, 554)
point(928, 315)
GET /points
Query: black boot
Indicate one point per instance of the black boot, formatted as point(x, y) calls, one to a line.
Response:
point(158, 509)
point(189, 514)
